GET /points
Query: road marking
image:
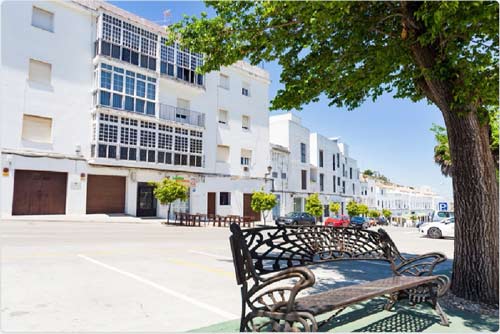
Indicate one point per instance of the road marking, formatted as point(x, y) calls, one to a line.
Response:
point(188, 299)
point(222, 257)
point(203, 267)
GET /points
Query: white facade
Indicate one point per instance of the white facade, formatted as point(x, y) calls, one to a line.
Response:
point(312, 164)
point(142, 120)
point(402, 201)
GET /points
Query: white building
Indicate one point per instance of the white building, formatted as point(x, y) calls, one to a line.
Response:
point(304, 163)
point(95, 106)
point(402, 201)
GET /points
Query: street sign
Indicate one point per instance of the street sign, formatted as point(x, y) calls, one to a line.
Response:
point(443, 206)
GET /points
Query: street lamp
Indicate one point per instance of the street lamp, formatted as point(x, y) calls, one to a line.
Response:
point(269, 169)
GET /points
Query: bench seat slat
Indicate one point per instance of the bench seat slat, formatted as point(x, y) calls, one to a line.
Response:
point(333, 299)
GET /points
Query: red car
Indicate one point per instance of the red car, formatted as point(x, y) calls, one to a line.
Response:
point(337, 221)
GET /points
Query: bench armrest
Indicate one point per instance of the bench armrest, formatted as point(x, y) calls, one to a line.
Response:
point(421, 265)
point(274, 298)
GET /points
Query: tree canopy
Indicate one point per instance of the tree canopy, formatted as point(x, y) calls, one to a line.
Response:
point(263, 202)
point(334, 207)
point(351, 51)
point(168, 191)
point(314, 206)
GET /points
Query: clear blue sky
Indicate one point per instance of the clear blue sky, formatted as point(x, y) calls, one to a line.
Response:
point(390, 135)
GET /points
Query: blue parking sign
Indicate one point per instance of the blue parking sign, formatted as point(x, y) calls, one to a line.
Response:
point(443, 206)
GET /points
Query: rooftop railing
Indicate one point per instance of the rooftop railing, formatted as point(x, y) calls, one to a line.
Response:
point(181, 115)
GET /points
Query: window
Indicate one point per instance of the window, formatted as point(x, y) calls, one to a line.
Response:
point(303, 179)
point(222, 116)
point(334, 190)
point(343, 170)
point(321, 182)
point(343, 187)
point(303, 152)
point(130, 86)
point(224, 198)
point(274, 174)
point(37, 129)
point(283, 175)
point(222, 153)
point(245, 122)
point(350, 173)
point(353, 189)
point(321, 158)
point(245, 89)
point(338, 160)
point(333, 159)
point(42, 19)
point(246, 157)
point(40, 72)
point(224, 81)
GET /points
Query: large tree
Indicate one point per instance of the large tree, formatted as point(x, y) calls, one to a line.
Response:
point(442, 52)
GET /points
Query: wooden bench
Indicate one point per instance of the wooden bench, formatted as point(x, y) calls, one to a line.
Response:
point(271, 267)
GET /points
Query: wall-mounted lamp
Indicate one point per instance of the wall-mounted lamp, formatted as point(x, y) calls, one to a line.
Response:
point(5, 171)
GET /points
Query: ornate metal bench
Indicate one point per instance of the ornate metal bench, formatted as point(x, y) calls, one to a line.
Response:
point(270, 265)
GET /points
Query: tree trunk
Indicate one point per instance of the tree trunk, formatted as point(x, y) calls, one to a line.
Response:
point(168, 213)
point(475, 187)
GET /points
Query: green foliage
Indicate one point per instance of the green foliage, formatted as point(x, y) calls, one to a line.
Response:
point(368, 172)
point(362, 209)
point(442, 150)
point(263, 202)
point(314, 206)
point(386, 213)
point(351, 51)
point(352, 209)
point(373, 214)
point(442, 155)
point(414, 217)
point(167, 191)
point(335, 207)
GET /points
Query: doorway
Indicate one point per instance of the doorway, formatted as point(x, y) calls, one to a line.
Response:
point(211, 204)
point(146, 201)
point(247, 207)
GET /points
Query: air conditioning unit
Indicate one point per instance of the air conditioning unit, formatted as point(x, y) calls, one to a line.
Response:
point(246, 169)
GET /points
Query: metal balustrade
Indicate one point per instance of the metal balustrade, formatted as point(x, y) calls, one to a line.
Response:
point(181, 115)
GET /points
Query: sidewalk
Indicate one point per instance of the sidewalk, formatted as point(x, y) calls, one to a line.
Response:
point(91, 218)
point(370, 317)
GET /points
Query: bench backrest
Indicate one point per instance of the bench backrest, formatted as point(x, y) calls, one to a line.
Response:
point(258, 251)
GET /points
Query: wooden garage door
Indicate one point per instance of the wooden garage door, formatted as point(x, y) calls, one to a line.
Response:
point(105, 194)
point(39, 193)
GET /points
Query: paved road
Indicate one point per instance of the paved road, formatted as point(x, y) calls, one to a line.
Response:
point(74, 276)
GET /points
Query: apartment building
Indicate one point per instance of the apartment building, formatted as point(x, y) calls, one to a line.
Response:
point(95, 106)
point(304, 162)
point(402, 201)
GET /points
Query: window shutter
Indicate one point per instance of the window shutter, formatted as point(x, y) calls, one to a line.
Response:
point(42, 19)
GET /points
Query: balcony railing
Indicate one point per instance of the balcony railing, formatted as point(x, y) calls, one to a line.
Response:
point(181, 115)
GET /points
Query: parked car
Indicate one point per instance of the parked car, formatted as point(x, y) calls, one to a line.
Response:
point(372, 222)
point(438, 216)
point(437, 230)
point(337, 221)
point(296, 218)
point(382, 221)
point(359, 221)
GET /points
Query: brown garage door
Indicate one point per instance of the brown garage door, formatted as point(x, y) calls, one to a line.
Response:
point(105, 194)
point(39, 193)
